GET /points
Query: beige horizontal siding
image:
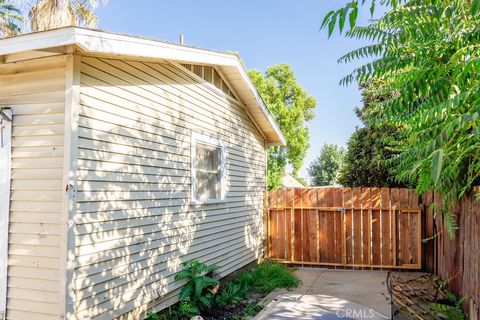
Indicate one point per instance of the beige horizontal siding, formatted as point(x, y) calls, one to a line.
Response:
point(35, 92)
point(134, 223)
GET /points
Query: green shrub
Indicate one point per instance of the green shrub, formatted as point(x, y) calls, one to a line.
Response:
point(198, 292)
point(153, 316)
point(269, 276)
point(231, 294)
point(262, 279)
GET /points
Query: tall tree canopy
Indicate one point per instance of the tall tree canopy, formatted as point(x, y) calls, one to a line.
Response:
point(325, 168)
point(291, 107)
point(371, 150)
point(10, 19)
point(428, 53)
point(50, 14)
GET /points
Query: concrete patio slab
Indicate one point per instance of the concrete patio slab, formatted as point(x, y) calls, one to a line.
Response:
point(316, 306)
point(330, 294)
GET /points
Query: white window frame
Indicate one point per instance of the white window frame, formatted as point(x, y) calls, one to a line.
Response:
point(198, 138)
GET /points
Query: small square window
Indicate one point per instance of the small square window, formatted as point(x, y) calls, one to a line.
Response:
point(208, 170)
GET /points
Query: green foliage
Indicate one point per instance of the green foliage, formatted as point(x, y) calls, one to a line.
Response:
point(262, 279)
point(453, 310)
point(428, 54)
point(10, 19)
point(291, 106)
point(153, 316)
point(302, 181)
point(325, 168)
point(197, 293)
point(233, 293)
point(369, 159)
point(337, 17)
point(269, 276)
point(251, 310)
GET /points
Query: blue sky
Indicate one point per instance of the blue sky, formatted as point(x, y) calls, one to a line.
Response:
point(264, 32)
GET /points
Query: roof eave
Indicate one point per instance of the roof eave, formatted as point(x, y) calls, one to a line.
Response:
point(101, 42)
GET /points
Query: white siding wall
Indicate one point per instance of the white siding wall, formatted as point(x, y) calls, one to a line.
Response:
point(35, 90)
point(134, 221)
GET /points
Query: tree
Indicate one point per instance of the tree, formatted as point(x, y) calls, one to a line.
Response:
point(50, 14)
point(10, 19)
point(371, 150)
point(291, 106)
point(429, 53)
point(325, 168)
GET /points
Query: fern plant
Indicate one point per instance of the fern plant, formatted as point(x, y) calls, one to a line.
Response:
point(198, 292)
point(231, 294)
point(427, 52)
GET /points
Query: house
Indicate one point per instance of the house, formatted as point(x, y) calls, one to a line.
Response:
point(289, 181)
point(122, 157)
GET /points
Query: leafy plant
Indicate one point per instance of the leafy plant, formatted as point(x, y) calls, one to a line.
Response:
point(251, 310)
point(371, 148)
point(153, 316)
point(231, 294)
point(269, 276)
point(10, 19)
point(198, 292)
point(325, 168)
point(292, 107)
point(236, 290)
point(428, 54)
point(450, 311)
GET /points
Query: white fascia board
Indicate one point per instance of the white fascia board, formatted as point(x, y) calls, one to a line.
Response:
point(101, 42)
point(37, 41)
point(261, 104)
point(111, 43)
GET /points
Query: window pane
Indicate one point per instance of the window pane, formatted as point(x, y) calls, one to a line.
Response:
point(207, 158)
point(208, 185)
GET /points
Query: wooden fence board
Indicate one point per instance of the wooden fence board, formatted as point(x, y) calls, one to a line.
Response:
point(345, 227)
point(385, 216)
point(273, 233)
point(364, 243)
point(338, 203)
point(281, 234)
point(375, 243)
point(403, 225)
point(313, 234)
point(348, 216)
point(305, 236)
point(288, 235)
point(455, 259)
point(330, 222)
point(297, 235)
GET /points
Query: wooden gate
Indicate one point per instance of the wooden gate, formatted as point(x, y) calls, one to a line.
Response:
point(344, 227)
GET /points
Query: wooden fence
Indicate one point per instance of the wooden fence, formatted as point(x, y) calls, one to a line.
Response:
point(344, 227)
point(455, 260)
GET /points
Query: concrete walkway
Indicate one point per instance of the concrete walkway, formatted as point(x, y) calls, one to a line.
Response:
point(332, 294)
